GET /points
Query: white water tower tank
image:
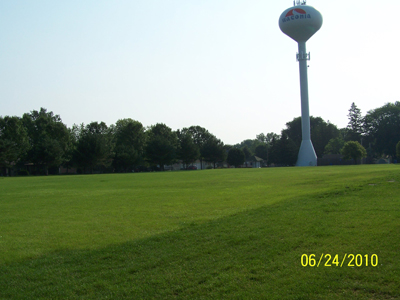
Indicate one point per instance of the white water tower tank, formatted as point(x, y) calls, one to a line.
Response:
point(300, 22)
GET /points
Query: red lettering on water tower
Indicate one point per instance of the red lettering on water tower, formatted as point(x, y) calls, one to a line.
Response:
point(298, 10)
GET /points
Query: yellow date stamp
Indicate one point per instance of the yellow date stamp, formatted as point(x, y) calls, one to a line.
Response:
point(348, 260)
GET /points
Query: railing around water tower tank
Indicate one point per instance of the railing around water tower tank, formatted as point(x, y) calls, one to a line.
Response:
point(299, 2)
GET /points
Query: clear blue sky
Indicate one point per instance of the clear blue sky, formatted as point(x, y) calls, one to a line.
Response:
point(221, 64)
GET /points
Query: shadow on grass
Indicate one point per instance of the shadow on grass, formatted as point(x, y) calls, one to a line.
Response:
point(253, 254)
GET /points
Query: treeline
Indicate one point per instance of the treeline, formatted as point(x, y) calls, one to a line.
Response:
point(377, 134)
point(41, 141)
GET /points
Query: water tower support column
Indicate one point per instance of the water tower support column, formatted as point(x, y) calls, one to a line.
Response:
point(307, 156)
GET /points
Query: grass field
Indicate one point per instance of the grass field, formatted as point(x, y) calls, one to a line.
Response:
point(212, 234)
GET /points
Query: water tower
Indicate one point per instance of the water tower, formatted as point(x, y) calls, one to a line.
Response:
point(301, 22)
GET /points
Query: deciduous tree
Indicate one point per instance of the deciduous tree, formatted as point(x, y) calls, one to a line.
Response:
point(262, 151)
point(94, 147)
point(249, 146)
point(334, 146)
point(382, 128)
point(213, 151)
point(286, 151)
point(247, 153)
point(266, 140)
point(187, 150)
point(321, 133)
point(13, 141)
point(200, 136)
point(162, 144)
point(236, 157)
point(129, 143)
point(353, 150)
point(48, 138)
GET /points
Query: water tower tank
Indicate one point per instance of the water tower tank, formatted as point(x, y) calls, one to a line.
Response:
point(300, 22)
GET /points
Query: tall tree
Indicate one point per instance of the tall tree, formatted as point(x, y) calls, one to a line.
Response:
point(213, 151)
point(200, 136)
point(270, 136)
point(71, 146)
point(48, 138)
point(262, 138)
point(285, 151)
point(247, 153)
point(13, 141)
point(246, 143)
point(249, 146)
point(398, 151)
point(94, 147)
point(187, 150)
point(235, 157)
point(262, 151)
point(355, 125)
point(273, 153)
point(162, 144)
point(227, 148)
point(267, 141)
point(321, 133)
point(266, 138)
point(129, 142)
point(382, 128)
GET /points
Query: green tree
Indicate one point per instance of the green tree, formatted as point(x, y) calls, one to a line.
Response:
point(13, 141)
point(162, 144)
point(71, 146)
point(129, 143)
point(94, 147)
point(48, 138)
point(353, 150)
point(213, 151)
point(187, 151)
point(247, 153)
point(398, 151)
point(236, 157)
point(286, 151)
point(334, 146)
point(272, 136)
point(321, 133)
point(262, 151)
point(382, 128)
point(200, 136)
point(273, 152)
point(355, 125)
point(227, 148)
point(248, 143)
point(261, 138)
point(249, 146)
point(267, 140)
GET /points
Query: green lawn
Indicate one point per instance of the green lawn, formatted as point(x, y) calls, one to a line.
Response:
point(212, 234)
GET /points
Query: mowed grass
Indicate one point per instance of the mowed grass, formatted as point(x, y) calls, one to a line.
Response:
point(212, 234)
